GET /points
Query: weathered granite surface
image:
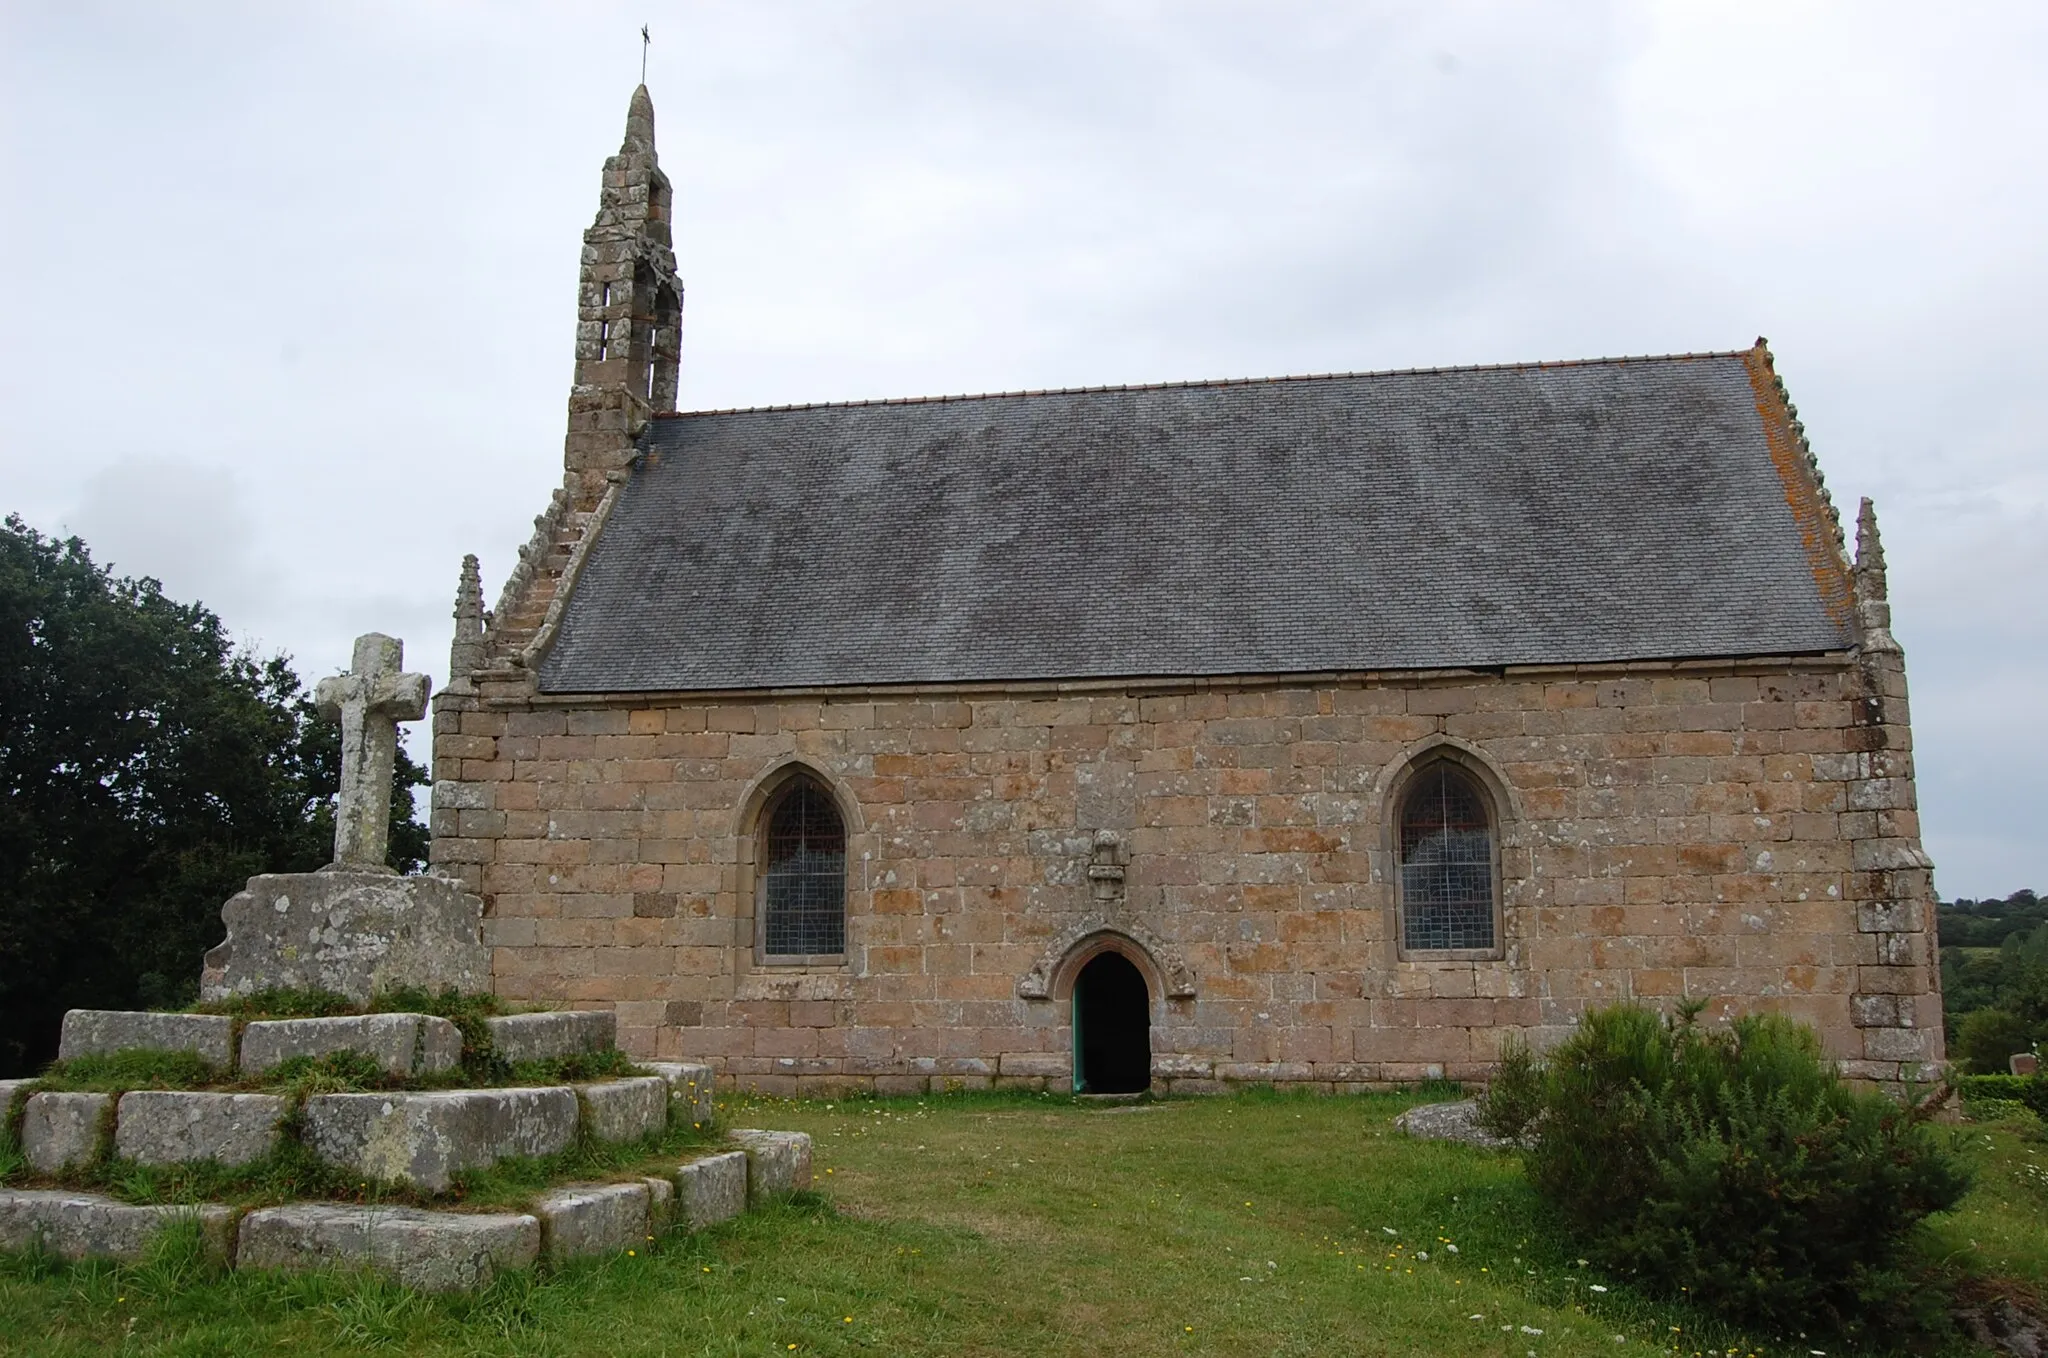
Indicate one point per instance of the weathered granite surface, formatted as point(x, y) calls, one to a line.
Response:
point(711, 1190)
point(547, 1037)
point(586, 1219)
point(403, 1044)
point(661, 1205)
point(1457, 1121)
point(778, 1163)
point(350, 931)
point(58, 1130)
point(369, 701)
point(8, 1090)
point(626, 1110)
point(88, 1226)
point(432, 1251)
point(425, 1139)
point(169, 1127)
point(692, 1090)
point(97, 1032)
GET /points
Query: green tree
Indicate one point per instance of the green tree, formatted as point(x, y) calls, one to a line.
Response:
point(149, 768)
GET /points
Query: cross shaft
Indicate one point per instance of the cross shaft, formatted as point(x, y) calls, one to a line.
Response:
point(369, 702)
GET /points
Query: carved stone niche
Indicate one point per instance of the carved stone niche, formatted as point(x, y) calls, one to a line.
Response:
point(1166, 966)
point(1106, 863)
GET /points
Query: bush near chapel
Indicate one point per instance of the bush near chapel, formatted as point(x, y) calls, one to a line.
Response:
point(1994, 979)
point(147, 769)
point(1733, 1164)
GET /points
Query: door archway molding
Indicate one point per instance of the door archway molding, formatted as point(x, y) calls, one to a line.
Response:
point(1167, 975)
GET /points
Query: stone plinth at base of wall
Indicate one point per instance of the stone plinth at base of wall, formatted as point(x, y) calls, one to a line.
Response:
point(431, 1251)
point(88, 1226)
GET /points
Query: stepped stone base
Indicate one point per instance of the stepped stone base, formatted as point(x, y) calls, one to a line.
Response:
point(432, 1251)
point(168, 1127)
point(401, 1044)
point(692, 1090)
point(426, 1139)
point(711, 1190)
point(85, 1225)
point(351, 932)
point(549, 1037)
point(778, 1163)
point(429, 1250)
point(591, 1219)
point(61, 1130)
point(102, 1032)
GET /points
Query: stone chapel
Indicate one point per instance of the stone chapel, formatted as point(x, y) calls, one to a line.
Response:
point(1317, 731)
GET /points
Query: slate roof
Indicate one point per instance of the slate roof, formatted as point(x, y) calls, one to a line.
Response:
point(1582, 512)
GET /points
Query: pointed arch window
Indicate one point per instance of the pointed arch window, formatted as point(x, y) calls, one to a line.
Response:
point(1450, 883)
point(803, 874)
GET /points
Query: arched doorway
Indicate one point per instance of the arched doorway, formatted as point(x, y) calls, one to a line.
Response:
point(1112, 1027)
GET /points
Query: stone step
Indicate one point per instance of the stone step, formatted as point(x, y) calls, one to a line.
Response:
point(549, 1037)
point(422, 1138)
point(692, 1091)
point(778, 1163)
point(88, 1226)
point(401, 1044)
point(102, 1032)
point(711, 1190)
point(169, 1127)
point(426, 1139)
point(59, 1131)
point(582, 1220)
point(625, 1110)
point(431, 1251)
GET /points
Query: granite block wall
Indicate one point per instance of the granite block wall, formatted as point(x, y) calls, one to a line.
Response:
point(1742, 833)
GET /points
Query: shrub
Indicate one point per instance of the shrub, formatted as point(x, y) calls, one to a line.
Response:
point(1986, 1040)
point(1732, 1164)
point(2029, 1091)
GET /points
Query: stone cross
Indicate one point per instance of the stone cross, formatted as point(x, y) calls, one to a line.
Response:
point(369, 701)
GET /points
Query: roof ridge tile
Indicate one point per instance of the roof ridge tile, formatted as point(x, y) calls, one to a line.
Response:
point(1532, 365)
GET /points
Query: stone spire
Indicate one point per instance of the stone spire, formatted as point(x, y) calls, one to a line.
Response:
point(1873, 604)
point(467, 653)
point(640, 122)
point(628, 314)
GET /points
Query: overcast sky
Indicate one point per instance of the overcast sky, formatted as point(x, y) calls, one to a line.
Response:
point(287, 291)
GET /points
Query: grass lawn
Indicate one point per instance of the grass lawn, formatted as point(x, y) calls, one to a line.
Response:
point(973, 1224)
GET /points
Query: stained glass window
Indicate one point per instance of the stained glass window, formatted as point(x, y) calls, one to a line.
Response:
point(805, 876)
point(1446, 863)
